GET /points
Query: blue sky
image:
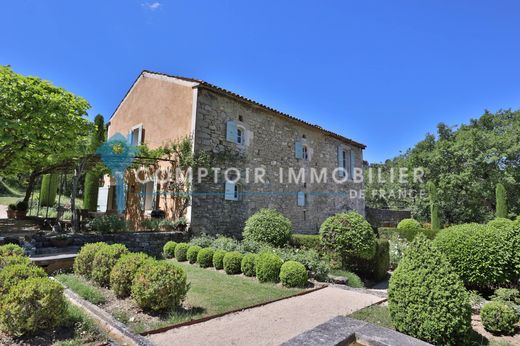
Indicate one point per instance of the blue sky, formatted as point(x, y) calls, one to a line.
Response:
point(381, 72)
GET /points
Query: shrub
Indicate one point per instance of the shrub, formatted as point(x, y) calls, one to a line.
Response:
point(124, 271)
point(498, 317)
point(507, 295)
point(218, 259)
point(306, 241)
point(108, 224)
point(479, 254)
point(426, 298)
point(85, 258)
point(159, 286)
point(169, 249)
point(409, 235)
point(150, 224)
point(167, 225)
point(293, 274)
point(268, 267)
point(205, 257)
point(268, 226)
point(348, 234)
point(104, 260)
point(353, 280)
point(248, 264)
point(11, 250)
point(181, 252)
point(409, 224)
point(202, 240)
point(311, 259)
point(12, 260)
point(32, 305)
point(13, 274)
point(501, 200)
point(226, 244)
point(514, 235)
point(192, 253)
point(500, 223)
point(232, 262)
point(377, 267)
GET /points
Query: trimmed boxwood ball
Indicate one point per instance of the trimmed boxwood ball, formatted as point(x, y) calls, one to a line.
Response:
point(123, 272)
point(32, 305)
point(248, 264)
point(233, 262)
point(159, 286)
point(205, 257)
point(409, 224)
point(293, 274)
point(268, 226)
point(13, 274)
point(499, 318)
point(268, 267)
point(181, 252)
point(500, 223)
point(85, 258)
point(11, 260)
point(348, 234)
point(426, 297)
point(481, 255)
point(11, 250)
point(169, 249)
point(218, 259)
point(104, 260)
point(192, 253)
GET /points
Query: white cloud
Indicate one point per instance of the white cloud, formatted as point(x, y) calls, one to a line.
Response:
point(152, 6)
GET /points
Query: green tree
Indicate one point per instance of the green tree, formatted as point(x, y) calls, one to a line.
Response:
point(48, 190)
point(40, 125)
point(434, 207)
point(92, 177)
point(501, 201)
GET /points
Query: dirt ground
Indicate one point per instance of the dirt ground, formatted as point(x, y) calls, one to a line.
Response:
point(270, 324)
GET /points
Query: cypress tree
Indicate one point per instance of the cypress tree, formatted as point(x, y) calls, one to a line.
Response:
point(434, 207)
point(48, 190)
point(501, 201)
point(91, 184)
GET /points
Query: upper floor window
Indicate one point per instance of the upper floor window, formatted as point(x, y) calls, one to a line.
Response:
point(240, 135)
point(305, 153)
point(301, 151)
point(346, 161)
point(235, 133)
point(232, 191)
point(135, 135)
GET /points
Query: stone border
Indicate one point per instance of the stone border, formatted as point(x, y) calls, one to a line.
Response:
point(116, 330)
point(343, 330)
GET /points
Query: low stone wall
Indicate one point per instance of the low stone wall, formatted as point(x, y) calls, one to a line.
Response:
point(385, 217)
point(148, 242)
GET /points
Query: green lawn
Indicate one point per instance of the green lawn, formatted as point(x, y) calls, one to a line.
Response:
point(352, 279)
point(215, 292)
point(82, 288)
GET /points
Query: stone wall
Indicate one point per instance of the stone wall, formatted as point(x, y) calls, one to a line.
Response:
point(270, 143)
point(385, 217)
point(148, 242)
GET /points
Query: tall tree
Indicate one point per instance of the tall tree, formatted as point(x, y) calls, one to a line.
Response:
point(40, 124)
point(92, 177)
point(434, 207)
point(501, 203)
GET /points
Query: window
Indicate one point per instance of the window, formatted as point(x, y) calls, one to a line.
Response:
point(305, 153)
point(232, 191)
point(301, 199)
point(240, 135)
point(301, 151)
point(135, 135)
point(346, 161)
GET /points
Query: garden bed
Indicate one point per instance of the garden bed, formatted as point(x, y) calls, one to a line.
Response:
point(211, 293)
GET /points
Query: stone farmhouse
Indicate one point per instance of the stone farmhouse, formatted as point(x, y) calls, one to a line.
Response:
point(160, 108)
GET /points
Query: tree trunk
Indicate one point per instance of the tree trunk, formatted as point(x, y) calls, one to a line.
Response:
point(30, 187)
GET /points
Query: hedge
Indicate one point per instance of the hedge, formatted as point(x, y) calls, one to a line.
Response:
point(268, 267)
point(123, 273)
point(218, 259)
point(192, 253)
point(306, 241)
point(13, 274)
point(169, 249)
point(85, 258)
point(233, 262)
point(408, 234)
point(377, 267)
point(205, 257)
point(248, 265)
point(181, 252)
point(104, 260)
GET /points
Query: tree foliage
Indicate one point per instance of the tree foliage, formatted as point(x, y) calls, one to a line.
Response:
point(465, 163)
point(501, 197)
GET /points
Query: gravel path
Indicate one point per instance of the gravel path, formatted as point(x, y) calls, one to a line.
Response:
point(270, 324)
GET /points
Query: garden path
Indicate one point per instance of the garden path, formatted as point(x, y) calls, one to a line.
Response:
point(270, 324)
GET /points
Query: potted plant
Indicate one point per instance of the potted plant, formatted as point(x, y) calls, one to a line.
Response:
point(21, 210)
point(11, 211)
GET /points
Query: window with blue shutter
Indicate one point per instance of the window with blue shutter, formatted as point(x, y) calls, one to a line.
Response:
point(129, 137)
point(298, 150)
point(140, 135)
point(301, 199)
point(231, 131)
point(341, 161)
point(231, 191)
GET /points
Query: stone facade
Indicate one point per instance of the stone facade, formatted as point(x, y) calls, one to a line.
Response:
point(270, 144)
point(385, 217)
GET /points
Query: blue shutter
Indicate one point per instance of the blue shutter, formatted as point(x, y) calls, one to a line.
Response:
point(229, 194)
point(341, 163)
point(231, 131)
point(298, 150)
point(352, 163)
point(140, 135)
point(301, 199)
point(129, 138)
